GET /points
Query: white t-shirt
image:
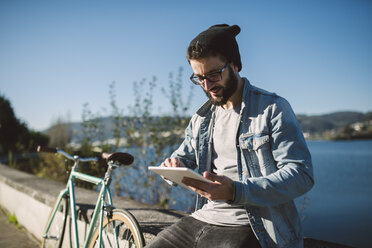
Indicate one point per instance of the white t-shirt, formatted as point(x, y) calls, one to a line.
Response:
point(224, 162)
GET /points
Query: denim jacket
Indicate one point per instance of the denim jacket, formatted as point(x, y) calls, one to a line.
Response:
point(274, 163)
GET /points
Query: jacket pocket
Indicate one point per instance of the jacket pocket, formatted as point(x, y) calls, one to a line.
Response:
point(257, 149)
point(253, 141)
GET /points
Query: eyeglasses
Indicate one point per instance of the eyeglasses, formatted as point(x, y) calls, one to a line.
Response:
point(212, 77)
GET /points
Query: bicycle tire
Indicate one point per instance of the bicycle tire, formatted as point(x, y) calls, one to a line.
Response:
point(56, 232)
point(129, 232)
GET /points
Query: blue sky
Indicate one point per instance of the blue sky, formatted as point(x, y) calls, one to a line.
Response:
point(57, 55)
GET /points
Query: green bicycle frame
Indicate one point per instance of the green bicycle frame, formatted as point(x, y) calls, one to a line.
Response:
point(98, 211)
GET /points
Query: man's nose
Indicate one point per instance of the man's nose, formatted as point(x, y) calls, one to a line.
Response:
point(208, 84)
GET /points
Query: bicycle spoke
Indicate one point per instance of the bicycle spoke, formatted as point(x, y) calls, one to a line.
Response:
point(120, 231)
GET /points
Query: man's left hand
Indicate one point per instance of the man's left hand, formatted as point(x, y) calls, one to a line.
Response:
point(221, 188)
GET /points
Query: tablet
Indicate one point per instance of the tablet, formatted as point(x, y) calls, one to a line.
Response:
point(176, 174)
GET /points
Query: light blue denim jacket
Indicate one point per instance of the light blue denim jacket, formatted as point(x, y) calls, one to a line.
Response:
point(274, 163)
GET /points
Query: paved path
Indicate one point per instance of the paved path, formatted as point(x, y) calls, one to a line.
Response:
point(13, 237)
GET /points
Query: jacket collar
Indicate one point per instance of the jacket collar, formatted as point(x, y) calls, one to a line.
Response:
point(206, 109)
point(247, 88)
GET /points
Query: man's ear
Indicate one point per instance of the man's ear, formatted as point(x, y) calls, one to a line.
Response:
point(234, 67)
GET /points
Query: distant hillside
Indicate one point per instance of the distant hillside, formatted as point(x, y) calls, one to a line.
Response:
point(76, 129)
point(314, 126)
point(322, 123)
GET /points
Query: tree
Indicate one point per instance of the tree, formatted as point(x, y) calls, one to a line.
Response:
point(15, 137)
point(59, 133)
point(148, 137)
point(152, 138)
point(9, 127)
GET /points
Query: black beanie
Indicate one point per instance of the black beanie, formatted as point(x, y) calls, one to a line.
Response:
point(221, 38)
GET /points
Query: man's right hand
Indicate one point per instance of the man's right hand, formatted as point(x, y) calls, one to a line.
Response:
point(171, 162)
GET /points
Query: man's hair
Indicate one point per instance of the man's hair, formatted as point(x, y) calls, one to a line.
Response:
point(200, 51)
point(218, 40)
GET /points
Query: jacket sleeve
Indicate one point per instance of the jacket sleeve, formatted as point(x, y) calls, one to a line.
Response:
point(186, 152)
point(294, 174)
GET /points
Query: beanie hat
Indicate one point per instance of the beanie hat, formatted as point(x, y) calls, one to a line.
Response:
point(221, 39)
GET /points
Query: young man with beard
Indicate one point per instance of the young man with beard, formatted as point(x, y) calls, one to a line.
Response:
point(248, 142)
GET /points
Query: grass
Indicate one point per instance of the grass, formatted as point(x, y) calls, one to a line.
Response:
point(12, 218)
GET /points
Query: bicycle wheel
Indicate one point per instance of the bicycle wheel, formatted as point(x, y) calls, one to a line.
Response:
point(54, 236)
point(119, 230)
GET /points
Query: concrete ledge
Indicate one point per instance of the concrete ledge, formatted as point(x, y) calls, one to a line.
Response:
point(30, 198)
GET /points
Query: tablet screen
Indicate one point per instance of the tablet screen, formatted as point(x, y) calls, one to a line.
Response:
point(176, 174)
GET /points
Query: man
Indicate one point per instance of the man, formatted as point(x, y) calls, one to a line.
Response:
point(248, 142)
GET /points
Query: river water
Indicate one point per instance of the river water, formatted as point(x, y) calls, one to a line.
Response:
point(339, 206)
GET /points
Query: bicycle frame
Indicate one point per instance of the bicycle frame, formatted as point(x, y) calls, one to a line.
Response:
point(69, 191)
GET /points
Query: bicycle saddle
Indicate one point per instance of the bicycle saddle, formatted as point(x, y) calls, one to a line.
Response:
point(121, 157)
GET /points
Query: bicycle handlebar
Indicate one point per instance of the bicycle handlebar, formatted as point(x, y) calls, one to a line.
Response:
point(57, 150)
point(119, 157)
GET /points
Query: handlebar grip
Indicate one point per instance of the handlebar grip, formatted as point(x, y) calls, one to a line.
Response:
point(46, 149)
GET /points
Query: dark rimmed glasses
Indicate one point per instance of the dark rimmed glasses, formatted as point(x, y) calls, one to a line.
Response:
point(212, 77)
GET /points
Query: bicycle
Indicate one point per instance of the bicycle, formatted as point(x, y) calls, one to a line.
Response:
point(109, 227)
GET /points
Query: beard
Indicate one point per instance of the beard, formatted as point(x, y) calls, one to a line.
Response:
point(227, 90)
